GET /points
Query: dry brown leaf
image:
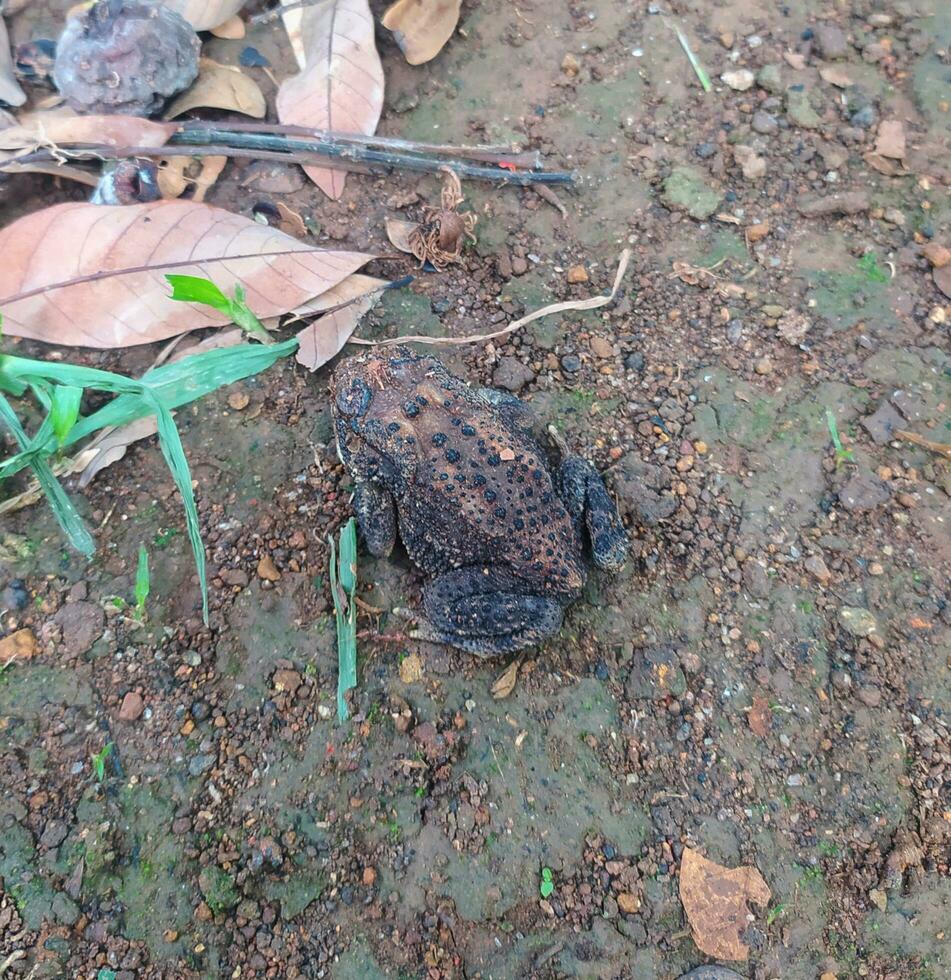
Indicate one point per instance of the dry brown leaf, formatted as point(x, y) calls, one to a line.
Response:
point(211, 168)
point(835, 75)
point(63, 127)
point(53, 169)
point(398, 232)
point(422, 27)
point(324, 338)
point(10, 91)
point(505, 683)
point(172, 181)
point(203, 15)
point(87, 275)
point(715, 900)
point(111, 445)
point(20, 645)
point(220, 87)
point(293, 20)
point(232, 29)
point(341, 89)
point(353, 287)
point(890, 141)
point(760, 717)
point(291, 222)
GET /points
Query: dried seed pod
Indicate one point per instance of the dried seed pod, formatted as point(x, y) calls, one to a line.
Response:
point(125, 56)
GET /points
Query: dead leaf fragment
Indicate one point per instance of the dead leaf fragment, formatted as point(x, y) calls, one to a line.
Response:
point(220, 87)
point(324, 338)
point(715, 900)
point(63, 127)
point(341, 88)
point(172, 181)
point(505, 682)
point(20, 645)
point(232, 29)
point(10, 91)
point(111, 445)
point(890, 141)
point(67, 293)
point(291, 222)
point(398, 231)
point(211, 168)
point(760, 717)
point(203, 15)
point(835, 75)
point(411, 669)
point(422, 27)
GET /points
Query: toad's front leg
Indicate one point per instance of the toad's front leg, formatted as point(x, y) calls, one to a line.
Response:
point(486, 611)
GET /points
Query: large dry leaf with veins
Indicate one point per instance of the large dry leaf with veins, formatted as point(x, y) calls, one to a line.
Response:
point(341, 88)
point(422, 27)
point(324, 338)
point(205, 14)
point(88, 275)
point(63, 127)
point(10, 91)
point(716, 902)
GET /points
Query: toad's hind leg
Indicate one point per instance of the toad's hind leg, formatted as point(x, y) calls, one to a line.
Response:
point(376, 516)
point(587, 499)
point(482, 612)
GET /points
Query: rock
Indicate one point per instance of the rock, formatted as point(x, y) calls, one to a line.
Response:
point(82, 624)
point(830, 41)
point(411, 669)
point(286, 680)
point(132, 707)
point(710, 973)
point(936, 254)
point(628, 903)
point(218, 889)
point(879, 898)
point(267, 569)
point(705, 150)
point(793, 327)
point(570, 65)
point(835, 75)
point(519, 265)
point(890, 141)
point(764, 122)
point(739, 80)
point(634, 361)
point(577, 274)
point(800, 111)
point(755, 579)
point(234, 576)
point(642, 490)
point(863, 492)
point(54, 833)
point(511, 374)
point(843, 202)
point(857, 622)
point(369, 876)
point(239, 400)
point(15, 596)
point(883, 422)
point(600, 347)
point(570, 363)
point(770, 78)
point(817, 568)
point(894, 216)
point(20, 645)
point(834, 155)
point(755, 233)
point(869, 695)
point(201, 763)
point(864, 117)
point(656, 674)
point(763, 366)
point(686, 190)
point(795, 59)
point(752, 165)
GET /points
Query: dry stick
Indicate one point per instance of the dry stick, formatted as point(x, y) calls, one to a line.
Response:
point(580, 304)
point(355, 158)
point(942, 448)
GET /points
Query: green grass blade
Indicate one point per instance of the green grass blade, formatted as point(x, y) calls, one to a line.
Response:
point(694, 62)
point(195, 289)
point(174, 453)
point(343, 585)
point(64, 410)
point(63, 510)
point(142, 579)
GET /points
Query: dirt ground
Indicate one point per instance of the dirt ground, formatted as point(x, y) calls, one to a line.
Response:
point(768, 679)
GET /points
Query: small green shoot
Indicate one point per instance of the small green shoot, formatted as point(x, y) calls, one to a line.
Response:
point(775, 912)
point(699, 70)
point(64, 410)
point(868, 263)
point(99, 761)
point(547, 885)
point(195, 289)
point(343, 585)
point(142, 583)
point(842, 455)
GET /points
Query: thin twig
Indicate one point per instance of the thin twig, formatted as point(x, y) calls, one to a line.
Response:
point(582, 304)
point(942, 448)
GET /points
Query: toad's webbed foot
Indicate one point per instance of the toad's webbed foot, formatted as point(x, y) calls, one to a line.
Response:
point(587, 499)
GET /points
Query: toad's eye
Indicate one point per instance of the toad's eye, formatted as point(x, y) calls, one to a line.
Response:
point(354, 400)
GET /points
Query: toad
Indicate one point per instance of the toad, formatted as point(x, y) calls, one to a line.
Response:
point(496, 526)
